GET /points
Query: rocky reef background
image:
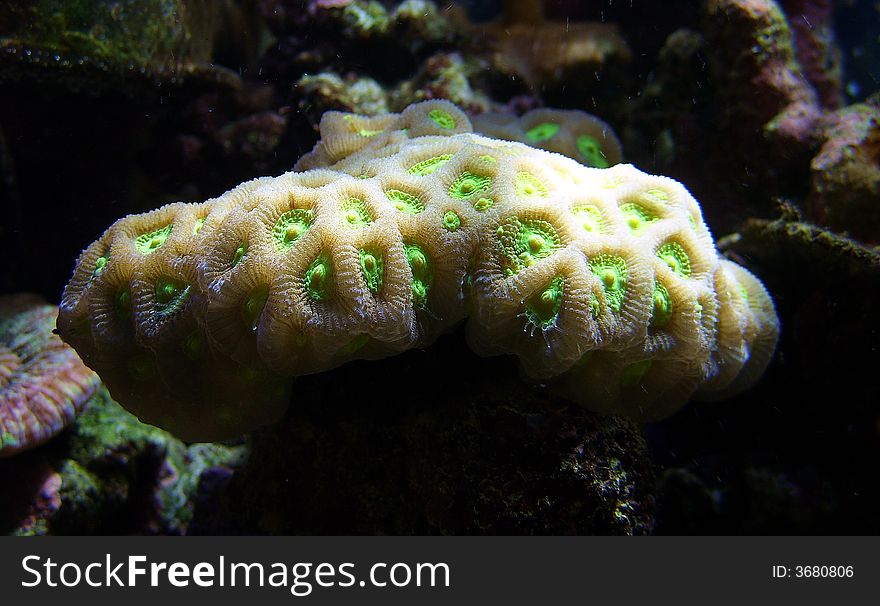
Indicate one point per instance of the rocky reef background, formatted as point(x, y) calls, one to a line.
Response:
point(767, 110)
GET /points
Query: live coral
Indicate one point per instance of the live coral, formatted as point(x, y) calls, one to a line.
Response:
point(43, 384)
point(604, 282)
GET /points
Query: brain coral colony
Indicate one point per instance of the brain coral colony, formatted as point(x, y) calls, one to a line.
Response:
point(43, 384)
point(604, 282)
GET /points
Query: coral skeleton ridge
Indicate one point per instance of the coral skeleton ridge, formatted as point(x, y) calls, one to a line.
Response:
point(604, 282)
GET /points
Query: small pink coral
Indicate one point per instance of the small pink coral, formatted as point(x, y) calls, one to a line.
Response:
point(43, 383)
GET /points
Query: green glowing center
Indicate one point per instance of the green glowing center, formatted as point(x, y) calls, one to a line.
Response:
point(591, 151)
point(529, 186)
point(405, 202)
point(100, 263)
point(637, 216)
point(542, 132)
point(197, 226)
point(291, 226)
point(426, 167)
point(612, 272)
point(662, 312)
point(193, 346)
point(170, 295)
point(123, 303)
point(468, 184)
point(253, 306)
point(149, 242)
point(356, 213)
point(524, 242)
point(238, 255)
point(451, 220)
point(483, 204)
point(373, 270)
point(590, 218)
point(317, 278)
point(542, 308)
point(422, 272)
point(675, 256)
point(442, 119)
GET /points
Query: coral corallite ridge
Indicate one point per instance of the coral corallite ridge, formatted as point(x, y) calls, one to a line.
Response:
point(43, 383)
point(605, 282)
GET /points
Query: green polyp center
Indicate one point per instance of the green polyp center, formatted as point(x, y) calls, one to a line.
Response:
point(253, 305)
point(290, 227)
point(524, 242)
point(542, 308)
point(483, 204)
point(442, 119)
point(238, 255)
point(637, 216)
point(170, 295)
point(426, 167)
point(489, 159)
point(612, 272)
point(662, 310)
point(451, 220)
point(193, 346)
point(469, 184)
point(197, 226)
point(422, 272)
point(372, 268)
point(100, 263)
point(149, 242)
point(529, 186)
point(366, 132)
point(542, 132)
point(123, 303)
point(317, 278)
point(405, 202)
point(590, 217)
point(675, 256)
point(356, 213)
point(591, 151)
point(634, 373)
point(657, 194)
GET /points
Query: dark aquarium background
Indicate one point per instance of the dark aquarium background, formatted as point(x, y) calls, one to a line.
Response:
point(767, 110)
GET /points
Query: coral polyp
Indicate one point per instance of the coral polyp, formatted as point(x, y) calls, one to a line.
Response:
point(604, 282)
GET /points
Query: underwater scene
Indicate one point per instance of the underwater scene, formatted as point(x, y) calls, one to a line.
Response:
point(426, 267)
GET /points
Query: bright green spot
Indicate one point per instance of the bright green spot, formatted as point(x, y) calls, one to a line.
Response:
point(489, 159)
point(123, 303)
point(698, 311)
point(405, 202)
point(100, 263)
point(238, 255)
point(356, 213)
point(193, 346)
point(483, 204)
point(317, 278)
point(197, 226)
point(149, 242)
point(373, 269)
point(542, 308)
point(590, 217)
point(662, 312)
point(524, 242)
point(634, 373)
point(422, 272)
point(426, 167)
point(253, 306)
point(451, 220)
point(674, 255)
point(591, 151)
point(530, 186)
point(442, 119)
point(542, 132)
point(657, 194)
point(612, 272)
point(364, 132)
point(468, 184)
point(637, 216)
point(170, 296)
point(291, 226)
